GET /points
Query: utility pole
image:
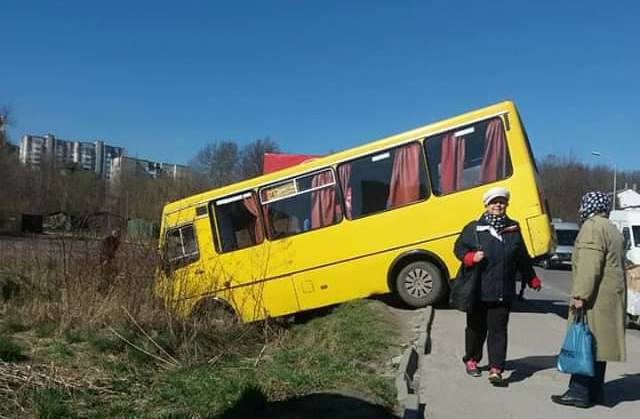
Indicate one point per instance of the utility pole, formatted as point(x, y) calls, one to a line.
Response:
point(615, 173)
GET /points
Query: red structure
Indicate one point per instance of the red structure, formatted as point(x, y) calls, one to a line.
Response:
point(273, 162)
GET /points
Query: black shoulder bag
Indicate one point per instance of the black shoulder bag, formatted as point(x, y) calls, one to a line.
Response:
point(464, 288)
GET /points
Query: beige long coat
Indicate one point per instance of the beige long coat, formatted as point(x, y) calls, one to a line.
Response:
point(598, 278)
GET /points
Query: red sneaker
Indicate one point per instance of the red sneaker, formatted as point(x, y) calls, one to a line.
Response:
point(472, 368)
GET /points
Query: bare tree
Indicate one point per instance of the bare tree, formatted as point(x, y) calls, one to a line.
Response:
point(218, 162)
point(253, 156)
point(141, 196)
point(565, 180)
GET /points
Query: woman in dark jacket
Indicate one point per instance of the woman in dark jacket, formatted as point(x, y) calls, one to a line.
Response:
point(494, 245)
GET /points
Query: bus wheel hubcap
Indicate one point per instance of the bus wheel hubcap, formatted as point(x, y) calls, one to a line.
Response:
point(418, 283)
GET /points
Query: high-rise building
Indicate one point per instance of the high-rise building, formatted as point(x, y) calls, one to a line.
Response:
point(95, 156)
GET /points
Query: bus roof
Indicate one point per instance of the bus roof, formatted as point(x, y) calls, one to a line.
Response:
point(348, 154)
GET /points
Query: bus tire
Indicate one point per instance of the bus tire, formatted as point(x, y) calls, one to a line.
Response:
point(420, 284)
point(213, 311)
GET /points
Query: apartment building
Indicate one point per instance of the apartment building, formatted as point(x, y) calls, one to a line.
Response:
point(95, 156)
point(123, 166)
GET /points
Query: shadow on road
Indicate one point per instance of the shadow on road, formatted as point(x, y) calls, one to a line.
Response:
point(624, 389)
point(523, 368)
point(253, 404)
point(557, 307)
point(559, 268)
point(620, 390)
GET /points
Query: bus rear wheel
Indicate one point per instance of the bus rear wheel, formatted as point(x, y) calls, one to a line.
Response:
point(420, 284)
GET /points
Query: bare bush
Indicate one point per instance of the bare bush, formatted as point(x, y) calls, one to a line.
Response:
point(62, 281)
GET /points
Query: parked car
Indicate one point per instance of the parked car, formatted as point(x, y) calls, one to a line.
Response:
point(564, 234)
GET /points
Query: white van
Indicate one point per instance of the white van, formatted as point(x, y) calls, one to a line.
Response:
point(628, 222)
point(564, 234)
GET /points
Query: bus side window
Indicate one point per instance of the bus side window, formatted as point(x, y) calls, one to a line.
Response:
point(382, 181)
point(238, 222)
point(181, 247)
point(467, 157)
point(301, 204)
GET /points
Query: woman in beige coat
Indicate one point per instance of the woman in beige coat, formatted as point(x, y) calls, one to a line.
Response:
point(599, 289)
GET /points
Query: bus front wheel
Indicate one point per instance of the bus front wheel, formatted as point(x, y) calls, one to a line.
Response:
point(420, 284)
point(210, 312)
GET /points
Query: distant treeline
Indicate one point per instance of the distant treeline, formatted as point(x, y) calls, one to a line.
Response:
point(48, 189)
point(565, 180)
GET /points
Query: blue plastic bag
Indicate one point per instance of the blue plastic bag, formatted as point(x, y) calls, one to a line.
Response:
point(576, 354)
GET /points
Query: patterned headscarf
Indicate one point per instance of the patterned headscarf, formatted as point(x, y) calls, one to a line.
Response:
point(595, 202)
point(498, 222)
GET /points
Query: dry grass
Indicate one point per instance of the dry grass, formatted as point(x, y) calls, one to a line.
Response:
point(61, 281)
point(56, 291)
point(57, 286)
point(96, 339)
point(16, 380)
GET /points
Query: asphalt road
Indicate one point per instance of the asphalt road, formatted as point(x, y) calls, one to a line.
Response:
point(556, 287)
point(536, 330)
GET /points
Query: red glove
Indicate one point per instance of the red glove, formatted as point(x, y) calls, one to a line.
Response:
point(535, 283)
point(468, 259)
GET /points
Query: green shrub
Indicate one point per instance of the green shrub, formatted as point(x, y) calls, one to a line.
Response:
point(45, 329)
point(10, 351)
point(12, 324)
point(50, 404)
point(73, 336)
point(10, 285)
point(60, 349)
point(105, 341)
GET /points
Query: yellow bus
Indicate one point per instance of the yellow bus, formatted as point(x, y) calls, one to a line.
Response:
point(378, 218)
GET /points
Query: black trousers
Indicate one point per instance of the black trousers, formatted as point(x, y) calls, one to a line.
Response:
point(487, 321)
point(589, 388)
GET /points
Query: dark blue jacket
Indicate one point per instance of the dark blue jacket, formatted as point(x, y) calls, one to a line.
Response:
point(503, 257)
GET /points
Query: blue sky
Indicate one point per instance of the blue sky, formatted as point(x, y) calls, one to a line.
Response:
point(163, 79)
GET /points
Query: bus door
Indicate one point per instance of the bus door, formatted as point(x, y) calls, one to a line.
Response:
point(251, 282)
point(301, 214)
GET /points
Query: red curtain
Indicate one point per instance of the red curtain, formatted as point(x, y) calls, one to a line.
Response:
point(252, 206)
point(323, 201)
point(405, 176)
point(344, 172)
point(494, 160)
point(451, 163)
